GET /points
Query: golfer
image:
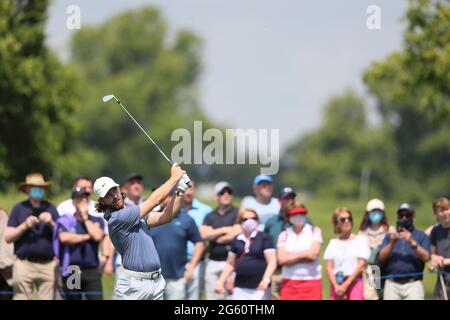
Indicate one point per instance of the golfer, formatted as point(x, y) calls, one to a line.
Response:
point(140, 277)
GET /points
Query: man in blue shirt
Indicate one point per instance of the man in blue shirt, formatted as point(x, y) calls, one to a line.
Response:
point(30, 228)
point(403, 255)
point(171, 243)
point(129, 229)
point(197, 211)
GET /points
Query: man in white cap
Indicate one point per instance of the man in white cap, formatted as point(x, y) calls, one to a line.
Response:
point(129, 229)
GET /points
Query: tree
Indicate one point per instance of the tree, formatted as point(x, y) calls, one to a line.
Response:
point(419, 75)
point(155, 77)
point(329, 162)
point(412, 88)
point(37, 96)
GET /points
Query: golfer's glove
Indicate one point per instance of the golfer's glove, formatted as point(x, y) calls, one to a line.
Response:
point(184, 183)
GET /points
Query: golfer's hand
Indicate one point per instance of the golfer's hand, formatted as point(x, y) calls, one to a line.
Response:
point(183, 183)
point(176, 172)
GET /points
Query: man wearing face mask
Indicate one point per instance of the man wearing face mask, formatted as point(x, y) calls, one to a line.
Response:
point(30, 228)
point(403, 254)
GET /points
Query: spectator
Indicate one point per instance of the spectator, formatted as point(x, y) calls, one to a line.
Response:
point(171, 242)
point(275, 225)
point(440, 246)
point(374, 227)
point(252, 256)
point(298, 254)
point(7, 259)
point(68, 207)
point(76, 242)
point(262, 203)
point(219, 229)
point(133, 189)
point(346, 258)
point(30, 228)
point(403, 254)
point(197, 211)
point(280, 222)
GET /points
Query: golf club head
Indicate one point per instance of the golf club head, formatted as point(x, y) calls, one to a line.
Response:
point(108, 97)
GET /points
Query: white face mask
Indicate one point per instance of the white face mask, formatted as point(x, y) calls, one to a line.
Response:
point(298, 219)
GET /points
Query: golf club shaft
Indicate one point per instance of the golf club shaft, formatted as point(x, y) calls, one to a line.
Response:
point(146, 134)
point(188, 182)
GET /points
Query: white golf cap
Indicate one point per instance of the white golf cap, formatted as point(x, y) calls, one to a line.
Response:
point(220, 186)
point(375, 204)
point(103, 185)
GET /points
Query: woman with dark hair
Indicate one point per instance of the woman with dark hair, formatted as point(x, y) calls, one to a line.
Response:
point(374, 227)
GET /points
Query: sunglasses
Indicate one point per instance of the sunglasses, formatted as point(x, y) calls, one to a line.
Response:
point(245, 219)
point(404, 215)
point(344, 219)
point(230, 192)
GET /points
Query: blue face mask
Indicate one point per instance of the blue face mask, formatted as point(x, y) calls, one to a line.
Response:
point(37, 193)
point(376, 216)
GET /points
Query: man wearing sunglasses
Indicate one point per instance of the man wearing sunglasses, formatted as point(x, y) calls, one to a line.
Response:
point(219, 228)
point(403, 254)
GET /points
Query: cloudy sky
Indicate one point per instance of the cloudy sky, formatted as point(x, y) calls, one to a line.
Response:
point(267, 63)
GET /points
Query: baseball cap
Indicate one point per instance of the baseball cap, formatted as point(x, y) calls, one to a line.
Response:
point(220, 186)
point(262, 178)
point(286, 192)
point(79, 192)
point(133, 176)
point(103, 185)
point(297, 210)
point(406, 207)
point(375, 204)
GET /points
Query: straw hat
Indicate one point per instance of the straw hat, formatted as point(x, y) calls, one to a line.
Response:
point(34, 180)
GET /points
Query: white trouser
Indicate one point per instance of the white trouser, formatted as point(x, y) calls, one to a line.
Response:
point(134, 286)
point(406, 291)
point(212, 274)
point(250, 294)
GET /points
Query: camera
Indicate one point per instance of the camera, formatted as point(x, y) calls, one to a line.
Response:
point(404, 224)
point(36, 212)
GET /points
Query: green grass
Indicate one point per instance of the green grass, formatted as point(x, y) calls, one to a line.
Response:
point(319, 210)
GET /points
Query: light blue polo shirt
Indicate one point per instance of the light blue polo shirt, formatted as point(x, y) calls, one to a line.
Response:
point(131, 238)
point(198, 212)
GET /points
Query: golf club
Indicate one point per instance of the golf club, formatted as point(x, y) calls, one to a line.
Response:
point(111, 96)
